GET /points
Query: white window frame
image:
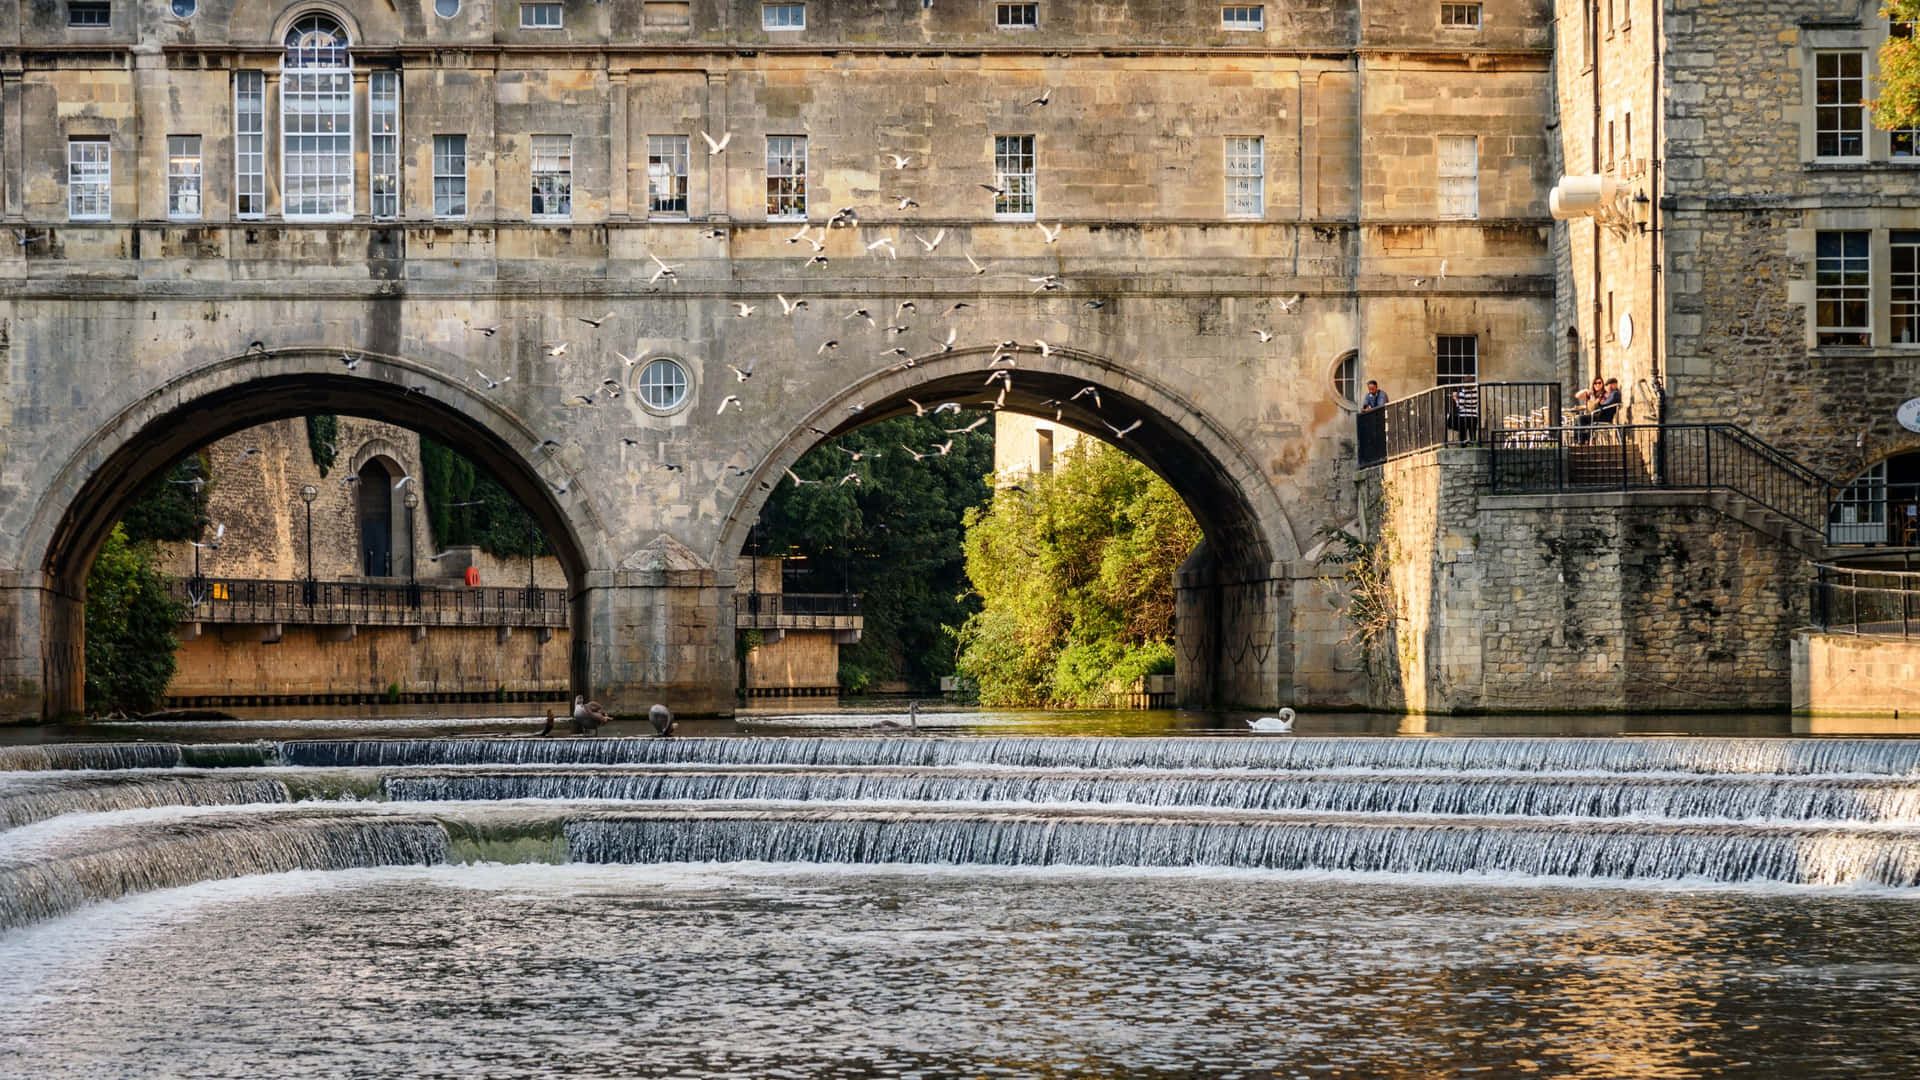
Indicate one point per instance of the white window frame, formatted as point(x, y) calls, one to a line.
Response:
point(1829, 117)
point(249, 145)
point(1859, 513)
point(91, 8)
point(449, 169)
point(550, 158)
point(668, 161)
point(89, 178)
point(316, 128)
point(1842, 281)
point(1016, 171)
point(383, 144)
point(1007, 16)
point(1451, 12)
point(1246, 176)
point(771, 16)
point(663, 375)
point(1243, 17)
point(1457, 177)
point(532, 16)
point(786, 178)
point(1903, 287)
point(185, 167)
point(1446, 347)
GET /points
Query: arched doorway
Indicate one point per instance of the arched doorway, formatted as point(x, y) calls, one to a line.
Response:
point(375, 518)
point(1880, 507)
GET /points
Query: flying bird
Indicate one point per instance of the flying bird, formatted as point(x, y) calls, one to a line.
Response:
point(402, 482)
point(933, 243)
point(1121, 433)
point(1094, 390)
point(977, 268)
point(958, 306)
point(947, 345)
point(350, 361)
point(970, 427)
point(596, 323)
point(788, 308)
point(905, 307)
point(492, 383)
point(862, 313)
point(946, 406)
point(487, 330)
point(717, 147)
point(245, 454)
point(663, 271)
point(1264, 335)
point(730, 399)
point(1045, 96)
point(797, 482)
point(625, 359)
point(918, 409)
point(801, 235)
point(900, 160)
point(999, 192)
point(912, 453)
point(556, 348)
point(1096, 304)
point(883, 242)
point(1045, 349)
point(943, 447)
point(743, 376)
point(852, 477)
point(1052, 234)
point(1286, 306)
point(1047, 283)
point(826, 346)
point(743, 311)
point(817, 260)
point(907, 202)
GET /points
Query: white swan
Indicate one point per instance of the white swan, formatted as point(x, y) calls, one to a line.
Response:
point(1283, 722)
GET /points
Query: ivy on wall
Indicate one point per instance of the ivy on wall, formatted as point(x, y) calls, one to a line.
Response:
point(466, 505)
point(173, 506)
point(323, 433)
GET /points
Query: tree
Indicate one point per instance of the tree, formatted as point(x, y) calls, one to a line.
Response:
point(1075, 574)
point(466, 505)
point(894, 537)
point(130, 628)
point(174, 505)
point(1899, 103)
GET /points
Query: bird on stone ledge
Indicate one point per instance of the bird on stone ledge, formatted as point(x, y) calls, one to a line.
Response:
point(588, 716)
point(661, 718)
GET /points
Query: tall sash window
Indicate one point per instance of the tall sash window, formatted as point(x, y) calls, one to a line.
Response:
point(316, 121)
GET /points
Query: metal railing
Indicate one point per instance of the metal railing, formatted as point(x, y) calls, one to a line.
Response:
point(340, 603)
point(773, 605)
point(1704, 457)
point(1872, 602)
point(1432, 418)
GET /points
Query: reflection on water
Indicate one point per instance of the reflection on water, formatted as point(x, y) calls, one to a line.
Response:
point(785, 971)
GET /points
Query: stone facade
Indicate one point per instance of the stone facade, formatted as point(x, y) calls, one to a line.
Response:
point(224, 664)
point(1843, 676)
point(126, 337)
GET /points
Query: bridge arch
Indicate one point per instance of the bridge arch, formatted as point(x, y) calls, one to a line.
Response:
point(1233, 591)
point(86, 494)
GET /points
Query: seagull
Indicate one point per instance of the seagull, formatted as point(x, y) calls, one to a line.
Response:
point(664, 270)
point(738, 470)
point(900, 160)
point(1048, 283)
point(946, 406)
point(896, 351)
point(977, 268)
point(1121, 433)
point(862, 313)
point(1282, 723)
point(670, 466)
point(968, 428)
point(947, 345)
point(801, 235)
point(958, 306)
point(245, 454)
point(846, 215)
point(907, 202)
point(1052, 234)
point(743, 376)
point(350, 361)
point(661, 718)
point(817, 260)
point(826, 346)
point(624, 441)
point(715, 234)
point(744, 310)
point(581, 399)
point(402, 482)
point(730, 399)
point(588, 716)
point(437, 558)
point(625, 359)
point(487, 330)
point(195, 483)
point(895, 328)
point(595, 323)
point(1045, 96)
point(859, 455)
point(717, 147)
point(905, 307)
point(560, 489)
point(918, 409)
point(858, 406)
point(1287, 305)
point(1045, 349)
point(417, 388)
point(1096, 305)
point(610, 387)
point(933, 243)
point(852, 477)
point(797, 482)
point(943, 447)
point(1443, 269)
point(886, 242)
point(999, 192)
point(556, 348)
point(546, 444)
point(257, 347)
point(910, 451)
point(492, 383)
point(788, 308)
point(1094, 390)
point(1007, 375)
point(25, 238)
point(1264, 335)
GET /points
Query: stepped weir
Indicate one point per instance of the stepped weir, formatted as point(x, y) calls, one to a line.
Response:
point(82, 823)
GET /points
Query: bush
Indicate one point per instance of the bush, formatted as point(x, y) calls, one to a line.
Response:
point(131, 625)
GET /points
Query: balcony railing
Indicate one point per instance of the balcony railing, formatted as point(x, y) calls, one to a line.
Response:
point(1431, 418)
point(1878, 602)
point(358, 603)
point(774, 605)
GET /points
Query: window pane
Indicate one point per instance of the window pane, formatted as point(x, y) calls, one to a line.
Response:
point(786, 176)
point(183, 176)
point(1246, 176)
point(89, 179)
point(540, 16)
point(783, 16)
point(552, 195)
point(667, 174)
point(249, 144)
point(1842, 289)
point(92, 15)
point(316, 119)
point(1839, 117)
point(1464, 16)
point(450, 176)
point(1013, 175)
point(663, 384)
point(1016, 16)
point(1904, 251)
point(1243, 17)
point(383, 121)
point(1458, 158)
point(1457, 359)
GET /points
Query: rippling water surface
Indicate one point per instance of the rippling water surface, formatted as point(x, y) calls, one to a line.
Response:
point(783, 971)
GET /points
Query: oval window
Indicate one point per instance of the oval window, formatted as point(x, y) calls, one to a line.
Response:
point(1346, 378)
point(185, 8)
point(446, 9)
point(663, 385)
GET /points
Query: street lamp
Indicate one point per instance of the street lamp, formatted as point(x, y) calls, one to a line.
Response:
point(413, 582)
point(307, 495)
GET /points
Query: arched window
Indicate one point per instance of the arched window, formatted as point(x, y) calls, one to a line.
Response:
point(1880, 507)
point(316, 119)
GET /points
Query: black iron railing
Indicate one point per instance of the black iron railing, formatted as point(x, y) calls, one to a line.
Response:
point(1435, 417)
point(772, 605)
point(251, 600)
point(1880, 602)
point(1706, 457)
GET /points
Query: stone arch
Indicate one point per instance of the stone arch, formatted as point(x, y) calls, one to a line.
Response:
point(377, 447)
point(89, 491)
point(293, 13)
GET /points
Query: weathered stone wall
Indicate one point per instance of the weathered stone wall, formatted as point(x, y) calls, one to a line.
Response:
point(1845, 675)
point(800, 660)
point(1602, 601)
point(225, 662)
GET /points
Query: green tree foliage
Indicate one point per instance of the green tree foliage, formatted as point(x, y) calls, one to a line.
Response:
point(466, 505)
point(1075, 571)
point(1899, 83)
point(130, 628)
point(174, 506)
point(894, 538)
point(323, 437)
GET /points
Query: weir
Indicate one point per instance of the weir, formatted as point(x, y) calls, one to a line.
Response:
point(82, 823)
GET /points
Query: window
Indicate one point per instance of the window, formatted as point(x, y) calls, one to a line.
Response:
point(1246, 176)
point(89, 179)
point(1243, 17)
point(1859, 514)
point(1903, 247)
point(449, 176)
point(1346, 378)
point(249, 144)
point(383, 127)
point(1013, 175)
point(1016, 16)
point(787, 176)
point(1456, 359)
point(783, 16)
point(663, 385)
point(1460, 16)
point(540, 16)
point(552, 195)
point(1842, 284)
point(184, 9)
point(93, 16)
point(667, 174)
point(1458, 158)
point(183, 177)
point(1839, 119)
point(446, 9)
point(316, 121)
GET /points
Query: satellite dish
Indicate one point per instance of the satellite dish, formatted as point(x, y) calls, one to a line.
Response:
point(1909, 414)
point(1626, 329)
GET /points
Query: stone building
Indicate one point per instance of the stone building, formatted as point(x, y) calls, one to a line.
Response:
point(231, 212)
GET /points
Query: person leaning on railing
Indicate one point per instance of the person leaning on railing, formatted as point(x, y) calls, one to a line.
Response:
point(1375, 398)
point(1602, 407)
point(1463, 412)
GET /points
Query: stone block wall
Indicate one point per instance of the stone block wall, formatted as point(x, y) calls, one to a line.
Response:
point(800, 660)
point(232, 662)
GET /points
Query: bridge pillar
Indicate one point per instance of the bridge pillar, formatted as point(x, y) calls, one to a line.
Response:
point(1231, 627)
point(42, 648)
point(657, 630)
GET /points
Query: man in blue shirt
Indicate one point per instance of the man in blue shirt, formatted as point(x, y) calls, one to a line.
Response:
point(1375, 398)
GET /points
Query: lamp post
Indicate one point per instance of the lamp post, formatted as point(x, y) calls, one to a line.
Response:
point(413, 582)
point(308, 591)
point(533, 546)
